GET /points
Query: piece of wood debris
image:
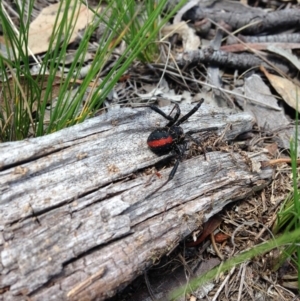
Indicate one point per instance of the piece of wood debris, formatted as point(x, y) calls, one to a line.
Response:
point(276, 123)
point(74, 219)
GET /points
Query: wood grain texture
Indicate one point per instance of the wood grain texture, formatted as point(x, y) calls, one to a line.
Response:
point(75, 223)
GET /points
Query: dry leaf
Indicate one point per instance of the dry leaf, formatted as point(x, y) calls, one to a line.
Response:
point(286, 54)
point(41, 28)
point(221, 237)
point(287, 89)
point(272, 148)
point(209, 227)
point(189, 38)
point(9, 91)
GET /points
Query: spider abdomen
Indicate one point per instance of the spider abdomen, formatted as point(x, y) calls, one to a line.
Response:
point(171, 137)
point(161, 141)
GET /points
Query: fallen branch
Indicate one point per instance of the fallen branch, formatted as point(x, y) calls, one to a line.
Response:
point(240, 61)
point(74, 219)
point(253, 21)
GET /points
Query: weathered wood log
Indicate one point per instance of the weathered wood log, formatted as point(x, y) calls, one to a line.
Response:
point(74, 220)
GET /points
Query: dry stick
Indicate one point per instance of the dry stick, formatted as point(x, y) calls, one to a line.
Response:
point(277, 38)
point(213, 242)
point(269, 224)
point(223, 284)
point(86, 283)
point(277, 161)
point(268, 21)
point(183, 10)
point(186, 266)
point(235, 48)
point(176, 65)
point(15, 29)
point(225, 91)
point(244, 265)
point(245, 61)
point(22, 93)
point(226, 129)
point(150, 291)
point(7, 123)
point(209, 55)
point(233, 60)
point(257, 53)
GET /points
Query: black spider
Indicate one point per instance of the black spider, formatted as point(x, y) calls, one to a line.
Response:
point(172, 137)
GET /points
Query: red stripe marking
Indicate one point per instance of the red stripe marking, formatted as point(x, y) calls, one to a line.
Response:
point(160, 142)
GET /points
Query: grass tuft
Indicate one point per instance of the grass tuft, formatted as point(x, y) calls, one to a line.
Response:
point(27, 98)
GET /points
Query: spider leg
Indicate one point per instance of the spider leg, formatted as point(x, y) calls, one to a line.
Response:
point(171, 119)
point(162, 113)
point(151, 193)
point(190, 113)
point(177, 114)
point(180, 154)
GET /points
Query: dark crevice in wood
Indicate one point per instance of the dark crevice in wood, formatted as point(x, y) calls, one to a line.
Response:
point(31, 159)
point(95, 249)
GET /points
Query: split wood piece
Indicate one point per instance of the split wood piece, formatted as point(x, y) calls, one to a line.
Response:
point(272, 123)
point(240, 61)
point(292, 38)
point(269, 22)
point(74, 220)
point(252, 20)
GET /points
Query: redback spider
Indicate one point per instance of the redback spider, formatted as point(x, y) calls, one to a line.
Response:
point(172, 138)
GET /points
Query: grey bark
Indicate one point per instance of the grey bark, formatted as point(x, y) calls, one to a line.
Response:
point(75, 223)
